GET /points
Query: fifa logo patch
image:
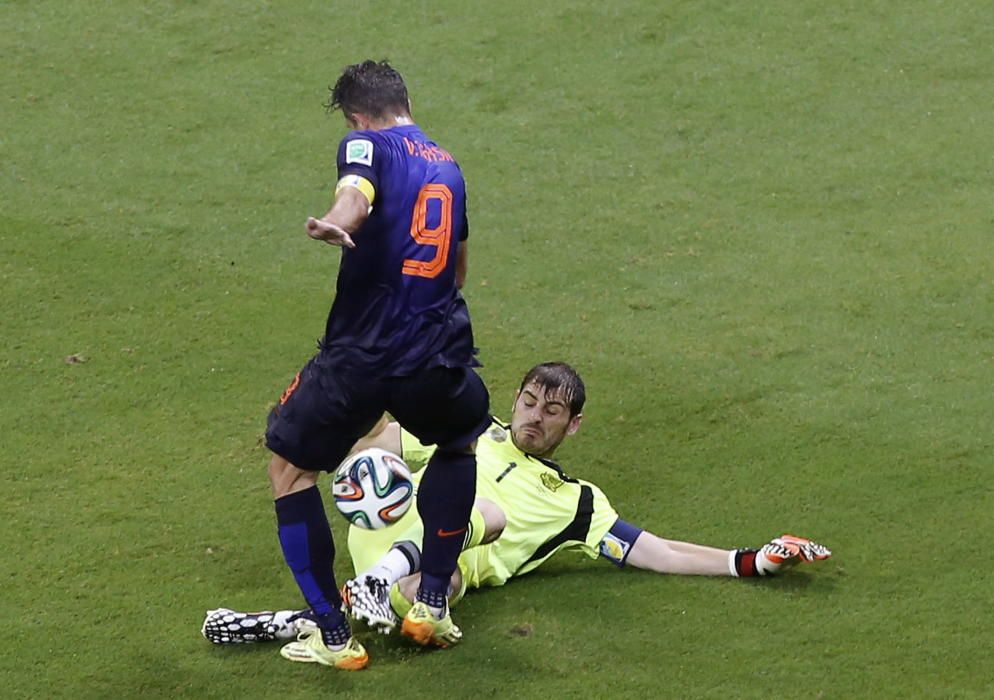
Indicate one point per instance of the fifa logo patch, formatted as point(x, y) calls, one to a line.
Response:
point(359, 151)
point(551, 482)
point(614, 549)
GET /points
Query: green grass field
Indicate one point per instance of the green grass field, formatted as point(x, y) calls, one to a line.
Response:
point(762, 232)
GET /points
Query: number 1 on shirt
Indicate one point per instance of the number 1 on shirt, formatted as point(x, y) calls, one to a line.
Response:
point(437, 236)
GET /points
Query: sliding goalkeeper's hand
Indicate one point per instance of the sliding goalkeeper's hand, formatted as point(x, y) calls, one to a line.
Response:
point(786, 551)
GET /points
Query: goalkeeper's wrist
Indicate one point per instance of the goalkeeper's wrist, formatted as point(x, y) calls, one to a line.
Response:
point(742, 563)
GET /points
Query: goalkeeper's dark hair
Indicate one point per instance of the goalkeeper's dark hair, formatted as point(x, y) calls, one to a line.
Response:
point(371, 88)
point(559, 381)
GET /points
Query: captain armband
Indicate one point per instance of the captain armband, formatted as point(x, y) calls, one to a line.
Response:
point(360, 183)
point(618, 541)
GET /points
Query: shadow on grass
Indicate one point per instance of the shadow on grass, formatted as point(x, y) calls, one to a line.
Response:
point(813, 578)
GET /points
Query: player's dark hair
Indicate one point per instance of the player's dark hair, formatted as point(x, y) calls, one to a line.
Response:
point(371, 88)
point(560, 380)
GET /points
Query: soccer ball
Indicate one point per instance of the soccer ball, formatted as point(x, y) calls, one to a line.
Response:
point(373, 488)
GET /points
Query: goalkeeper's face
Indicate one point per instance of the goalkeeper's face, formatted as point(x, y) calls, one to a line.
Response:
point(540, 420)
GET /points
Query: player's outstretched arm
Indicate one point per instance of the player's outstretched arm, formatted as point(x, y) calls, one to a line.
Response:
point(675, 557)
point(346, 215)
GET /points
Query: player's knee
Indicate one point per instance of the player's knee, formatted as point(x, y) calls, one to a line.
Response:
point(409, 586)
point(494, 520)
point(276, 470)
point(284, 478)
point(455, 584)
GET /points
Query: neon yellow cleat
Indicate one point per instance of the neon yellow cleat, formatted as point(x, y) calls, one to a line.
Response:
point(310, 648)
point(424, 628)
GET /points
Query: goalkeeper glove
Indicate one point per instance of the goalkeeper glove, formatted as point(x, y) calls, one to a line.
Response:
point(777, 555)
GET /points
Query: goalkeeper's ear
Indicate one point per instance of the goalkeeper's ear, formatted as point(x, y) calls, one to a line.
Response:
point(574, 424)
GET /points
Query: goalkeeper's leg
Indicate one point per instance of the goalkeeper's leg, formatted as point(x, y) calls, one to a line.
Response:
point(368, 595)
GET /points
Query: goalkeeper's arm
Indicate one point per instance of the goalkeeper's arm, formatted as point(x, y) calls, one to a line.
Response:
point(648, 551)
point(674, 557)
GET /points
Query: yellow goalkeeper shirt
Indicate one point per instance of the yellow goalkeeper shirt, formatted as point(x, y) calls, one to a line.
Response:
point(547, 512)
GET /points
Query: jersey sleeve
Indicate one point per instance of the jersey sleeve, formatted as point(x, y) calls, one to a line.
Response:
point(601, 519)
point(589, 516)
point(361, 153)
point(414, 453)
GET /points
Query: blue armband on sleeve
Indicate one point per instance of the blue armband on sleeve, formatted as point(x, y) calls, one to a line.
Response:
point(618, 541)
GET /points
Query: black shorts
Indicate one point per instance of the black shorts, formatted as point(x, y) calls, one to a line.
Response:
point(325, 410)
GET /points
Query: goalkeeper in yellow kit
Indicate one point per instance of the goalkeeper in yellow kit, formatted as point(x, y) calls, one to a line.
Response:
point(527, 509)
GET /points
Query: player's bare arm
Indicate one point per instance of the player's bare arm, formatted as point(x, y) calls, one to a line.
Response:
point(346, 215)
point(675, 557)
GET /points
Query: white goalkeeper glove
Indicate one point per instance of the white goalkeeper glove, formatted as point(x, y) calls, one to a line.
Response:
point(777, 555)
